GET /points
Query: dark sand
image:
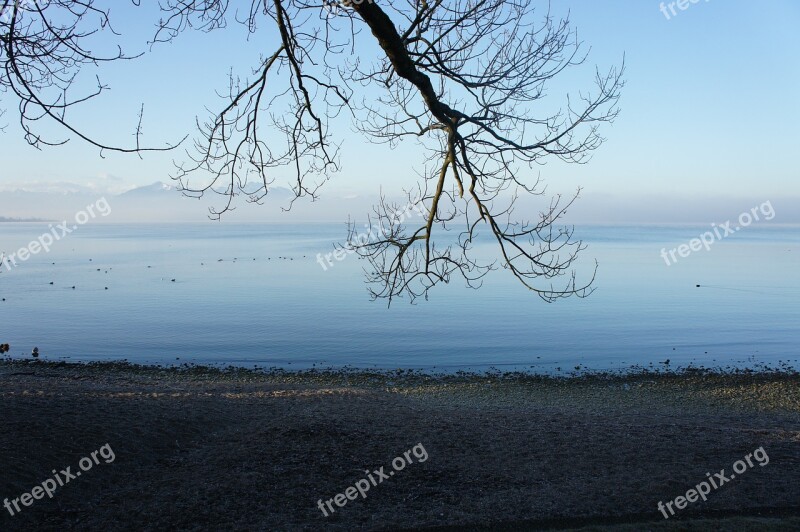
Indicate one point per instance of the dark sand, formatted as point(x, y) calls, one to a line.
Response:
point(201, 449)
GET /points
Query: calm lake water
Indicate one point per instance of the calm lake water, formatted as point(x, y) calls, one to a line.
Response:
point(292, 314)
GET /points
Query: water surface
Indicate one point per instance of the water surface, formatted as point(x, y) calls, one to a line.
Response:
point(288, 312)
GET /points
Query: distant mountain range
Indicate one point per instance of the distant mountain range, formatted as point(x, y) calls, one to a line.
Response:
point(155, 188)
point(162, 202)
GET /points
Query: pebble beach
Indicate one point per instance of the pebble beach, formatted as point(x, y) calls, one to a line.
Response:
point(227, 448)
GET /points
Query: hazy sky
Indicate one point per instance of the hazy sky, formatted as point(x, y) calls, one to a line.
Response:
point(710, 108)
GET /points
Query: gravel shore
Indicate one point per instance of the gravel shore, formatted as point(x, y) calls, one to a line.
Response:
point(208, 449)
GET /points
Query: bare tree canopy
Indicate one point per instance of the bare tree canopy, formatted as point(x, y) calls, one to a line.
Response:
point(465, 79)
point(45, 45)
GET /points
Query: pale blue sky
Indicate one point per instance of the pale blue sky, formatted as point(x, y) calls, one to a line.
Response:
point(710, 107)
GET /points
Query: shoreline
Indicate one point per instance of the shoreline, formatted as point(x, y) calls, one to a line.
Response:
point(781, 367)
point(247, 449)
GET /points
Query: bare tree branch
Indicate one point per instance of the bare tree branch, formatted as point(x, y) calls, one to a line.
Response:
point(468, 80)
point(44, 48)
